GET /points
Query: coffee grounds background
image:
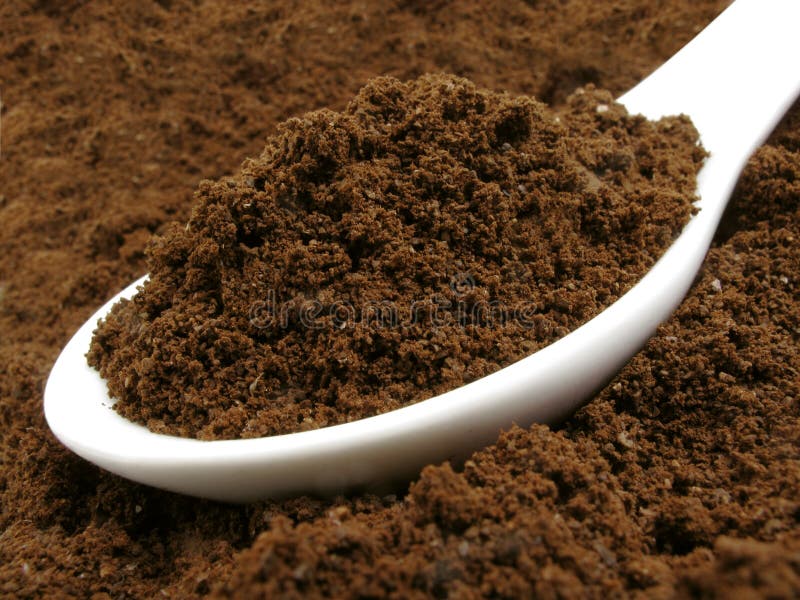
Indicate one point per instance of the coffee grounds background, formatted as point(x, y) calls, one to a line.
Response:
point(681, 477)
point(430, 234)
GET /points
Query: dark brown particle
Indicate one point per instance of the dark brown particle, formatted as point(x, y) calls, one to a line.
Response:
point(680, 479)
point(428, 235)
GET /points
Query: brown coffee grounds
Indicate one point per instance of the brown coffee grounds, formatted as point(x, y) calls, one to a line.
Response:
point(110, 116)
point(659, 487)
point(428, 235)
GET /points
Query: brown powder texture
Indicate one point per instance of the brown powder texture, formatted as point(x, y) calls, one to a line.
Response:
point(428, 235)
point(680, 479)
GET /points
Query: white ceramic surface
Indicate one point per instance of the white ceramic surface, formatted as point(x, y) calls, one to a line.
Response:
point(735, 80)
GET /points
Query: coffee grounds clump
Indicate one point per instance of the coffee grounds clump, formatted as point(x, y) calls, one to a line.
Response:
point(428, 235)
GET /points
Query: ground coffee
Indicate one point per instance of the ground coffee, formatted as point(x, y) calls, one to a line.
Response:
point(428, 235)
point(680, 479)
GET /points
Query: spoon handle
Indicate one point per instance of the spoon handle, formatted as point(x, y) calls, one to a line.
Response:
point(735, 79)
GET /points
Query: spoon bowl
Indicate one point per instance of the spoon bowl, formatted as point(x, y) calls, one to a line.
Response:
point(735, 80)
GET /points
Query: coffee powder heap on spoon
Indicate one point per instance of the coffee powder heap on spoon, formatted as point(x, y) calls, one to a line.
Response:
point(428, 235)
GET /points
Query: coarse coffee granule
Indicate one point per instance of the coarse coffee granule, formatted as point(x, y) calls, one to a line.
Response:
point(429, 234)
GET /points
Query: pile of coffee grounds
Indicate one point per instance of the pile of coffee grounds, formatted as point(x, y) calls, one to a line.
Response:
point(660, 486)
point(429, 234)
point(680, 479)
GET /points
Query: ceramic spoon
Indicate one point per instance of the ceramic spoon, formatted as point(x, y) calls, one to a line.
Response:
point(734, 80)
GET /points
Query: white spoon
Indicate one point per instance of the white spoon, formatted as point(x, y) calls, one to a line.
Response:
point(734, 80)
